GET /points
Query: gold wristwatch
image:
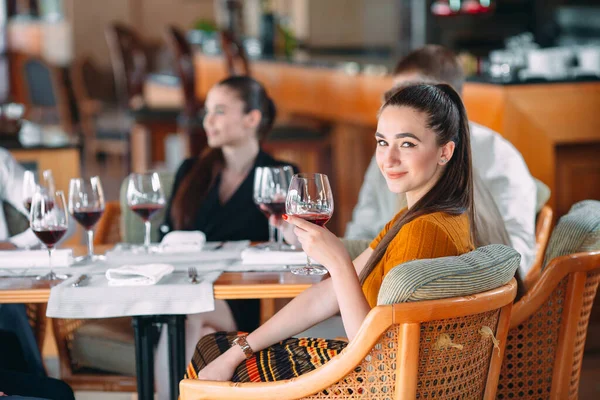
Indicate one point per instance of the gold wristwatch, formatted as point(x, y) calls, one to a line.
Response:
point(241, 341)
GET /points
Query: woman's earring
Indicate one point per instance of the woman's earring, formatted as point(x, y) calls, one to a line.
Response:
point(443, 161)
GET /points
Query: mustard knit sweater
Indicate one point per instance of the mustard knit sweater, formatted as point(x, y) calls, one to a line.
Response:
point(428, 236)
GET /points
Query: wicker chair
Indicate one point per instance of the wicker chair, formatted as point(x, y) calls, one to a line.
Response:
point(385, 362)
point(36, 313)
point(107, 232)
point(549, 324)
point(543, 228)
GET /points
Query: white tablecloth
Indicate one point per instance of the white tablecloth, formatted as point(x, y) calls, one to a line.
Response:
point(173, 294)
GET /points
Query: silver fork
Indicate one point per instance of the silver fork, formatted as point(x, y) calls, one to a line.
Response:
point(79, 280)
point(193, 274)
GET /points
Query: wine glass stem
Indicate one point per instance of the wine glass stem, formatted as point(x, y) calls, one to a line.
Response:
point(90, 235)
point(279, 238)
point(308, 264)
point(50, 261)
point(147, 236)
point(271, 233)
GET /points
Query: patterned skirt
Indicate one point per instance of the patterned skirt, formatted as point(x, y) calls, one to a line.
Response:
point(284, 360)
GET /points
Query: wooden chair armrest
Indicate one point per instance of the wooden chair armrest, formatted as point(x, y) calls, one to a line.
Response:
point(377, 321)
point(549, 279)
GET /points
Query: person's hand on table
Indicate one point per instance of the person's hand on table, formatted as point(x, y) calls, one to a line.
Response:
point(6, 245)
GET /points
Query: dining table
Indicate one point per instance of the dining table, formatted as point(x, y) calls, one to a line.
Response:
point(229, 285)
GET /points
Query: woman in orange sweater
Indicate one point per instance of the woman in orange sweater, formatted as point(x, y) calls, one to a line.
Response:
point(423, 150)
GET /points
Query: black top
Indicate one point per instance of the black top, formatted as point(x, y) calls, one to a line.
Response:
point(237, 219)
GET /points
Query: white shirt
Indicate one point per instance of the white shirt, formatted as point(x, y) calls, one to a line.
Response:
point(11, 191)
point(503, 172)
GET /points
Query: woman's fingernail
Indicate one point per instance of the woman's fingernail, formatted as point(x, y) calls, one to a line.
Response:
point(285, 217)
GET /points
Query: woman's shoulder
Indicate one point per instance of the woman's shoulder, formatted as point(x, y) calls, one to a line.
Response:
point(454, 228)
point(186, 165)
point(264, 159)
point(441, 221)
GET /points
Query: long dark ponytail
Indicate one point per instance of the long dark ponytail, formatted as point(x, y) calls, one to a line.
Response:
point(196, 184)
point(453, 193)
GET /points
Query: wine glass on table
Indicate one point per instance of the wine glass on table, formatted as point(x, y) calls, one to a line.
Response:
point(270, 190)
point(49, 221)
point(30, 186)
point(86, 205)
point(145, 197)
point(309, 197)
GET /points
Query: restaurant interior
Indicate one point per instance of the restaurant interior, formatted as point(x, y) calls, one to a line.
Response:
point(105, 101)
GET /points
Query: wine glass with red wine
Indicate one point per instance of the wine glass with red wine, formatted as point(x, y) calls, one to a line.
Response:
point(86, 205)
point(30, 186)
point(309, 197)
point(49, 221)
point(145, 197)
point(270, 190)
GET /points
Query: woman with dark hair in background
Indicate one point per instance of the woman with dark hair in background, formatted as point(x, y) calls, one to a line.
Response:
point(213, 193)
point(423, 150)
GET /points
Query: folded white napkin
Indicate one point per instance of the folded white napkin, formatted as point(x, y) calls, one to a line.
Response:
point(183, 241)
point(137, 275)
point(35, 258)
point(253, 255)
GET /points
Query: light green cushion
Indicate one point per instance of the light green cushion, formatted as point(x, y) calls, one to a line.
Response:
point(577, 231)
point(542, 194)
point(106, 345)
point(486, 268)
point(132, 227)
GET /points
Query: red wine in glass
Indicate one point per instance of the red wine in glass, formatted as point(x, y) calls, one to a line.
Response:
point(276, 209)
point(87, 217)
point(317, 219)
point(50, 235)
point(146, 211)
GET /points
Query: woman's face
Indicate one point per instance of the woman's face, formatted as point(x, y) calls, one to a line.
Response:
point(225, 122)
point(407, 152)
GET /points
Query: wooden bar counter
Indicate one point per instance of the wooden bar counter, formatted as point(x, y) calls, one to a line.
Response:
point(555, 126)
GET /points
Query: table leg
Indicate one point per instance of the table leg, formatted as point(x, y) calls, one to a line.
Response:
point(177, 361)
point(144, 357)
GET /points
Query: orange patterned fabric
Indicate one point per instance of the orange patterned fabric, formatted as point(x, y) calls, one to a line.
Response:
point(429, 236)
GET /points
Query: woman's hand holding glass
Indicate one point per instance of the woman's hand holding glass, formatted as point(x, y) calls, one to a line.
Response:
point(320, 244)
point(309, 198)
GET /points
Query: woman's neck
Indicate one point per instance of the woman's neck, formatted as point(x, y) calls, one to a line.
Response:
point(239, 159)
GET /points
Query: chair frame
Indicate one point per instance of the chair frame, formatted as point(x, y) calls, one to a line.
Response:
point(60, 93)
point(235, 54)
point(577, 266)
point(63, 328)
point(409, 317)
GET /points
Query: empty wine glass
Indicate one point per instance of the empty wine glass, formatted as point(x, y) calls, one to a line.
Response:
point(49, 221)
point(309, 197)
point(270, 191)
point(30, 186)
point(145, 197)
point(86, 205)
